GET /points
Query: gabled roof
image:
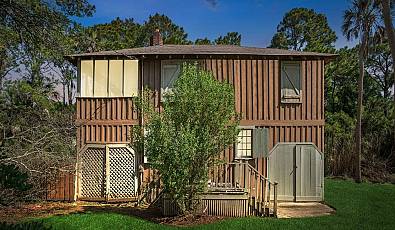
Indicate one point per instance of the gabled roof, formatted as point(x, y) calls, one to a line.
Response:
point(202, 50)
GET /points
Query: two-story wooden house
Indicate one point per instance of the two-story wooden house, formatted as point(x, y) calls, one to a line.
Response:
point(278, 91)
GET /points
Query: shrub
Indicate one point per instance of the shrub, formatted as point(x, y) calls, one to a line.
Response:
point(197, 122)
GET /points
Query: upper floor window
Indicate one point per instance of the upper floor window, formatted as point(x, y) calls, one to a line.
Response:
point(291, 85)
point(108, 78)
point(171, 69)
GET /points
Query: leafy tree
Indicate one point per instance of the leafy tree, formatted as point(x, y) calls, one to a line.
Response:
point(380, 68)
point(38, 133)
point(304, 29)
point(171, 33)
point(12, 181)
point(339, 143)
point(231, 38)
point(203, 41)
point(360, 21)
point(387, 5)
point(198, 121)
point(36, 26)
point(340, 79)
point(118, 34)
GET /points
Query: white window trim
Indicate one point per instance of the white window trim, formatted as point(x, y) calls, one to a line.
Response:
point(164, 63)
point(286, 100)
point(237, 157)
point(80, 84)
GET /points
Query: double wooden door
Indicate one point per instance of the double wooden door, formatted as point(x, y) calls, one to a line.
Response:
point(298, 168)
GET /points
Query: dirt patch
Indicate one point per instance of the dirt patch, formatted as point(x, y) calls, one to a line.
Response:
point(16, 213)
point(191, 220)
point(22, 211)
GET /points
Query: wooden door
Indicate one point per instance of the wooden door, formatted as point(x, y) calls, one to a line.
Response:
point(298, 170)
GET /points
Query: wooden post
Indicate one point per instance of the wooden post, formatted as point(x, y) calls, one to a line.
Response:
point(275, 199)
point(268, 199)
point(226, 175)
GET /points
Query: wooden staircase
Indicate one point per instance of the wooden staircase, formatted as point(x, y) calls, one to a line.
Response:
point(242, 178)
point(234, 189)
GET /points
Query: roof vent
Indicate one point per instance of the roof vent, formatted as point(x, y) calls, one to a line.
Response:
point(156, 39)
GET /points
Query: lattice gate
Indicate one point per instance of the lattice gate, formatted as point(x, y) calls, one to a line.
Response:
point(93, 173)
point(107, 172)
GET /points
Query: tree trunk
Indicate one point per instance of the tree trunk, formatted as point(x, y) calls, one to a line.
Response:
point(358, 128)
point(70, 92)
point(391, 38)
point(64, 93)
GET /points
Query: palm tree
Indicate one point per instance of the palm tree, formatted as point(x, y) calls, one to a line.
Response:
point(360, 22)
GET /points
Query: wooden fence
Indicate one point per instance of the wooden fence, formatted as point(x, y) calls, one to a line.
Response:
point(62, 188)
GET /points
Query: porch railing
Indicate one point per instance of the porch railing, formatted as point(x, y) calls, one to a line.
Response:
point(236, 177)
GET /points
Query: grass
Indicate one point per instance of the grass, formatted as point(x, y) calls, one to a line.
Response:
point(359, 206)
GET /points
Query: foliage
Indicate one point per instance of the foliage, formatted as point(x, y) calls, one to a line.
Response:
point(363, 16)
point(171, 33)
point(304, 29)
point(340, 79)
point(340, 92)
point(339, 147)
point(203, 41)
point(231, 38)
point(116, 35)
point(13, 183)
point(361, 20)
point(35, 28)
point(38, 134)
point(380, 68)
point(198, 121)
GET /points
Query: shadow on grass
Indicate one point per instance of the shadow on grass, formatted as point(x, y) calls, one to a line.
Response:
point(150, 214)
point(38, 225)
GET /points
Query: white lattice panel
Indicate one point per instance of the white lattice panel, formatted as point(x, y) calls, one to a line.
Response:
point(122, 173)
point(93, 173)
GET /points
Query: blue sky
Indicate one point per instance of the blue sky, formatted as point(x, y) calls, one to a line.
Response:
point(256, 20)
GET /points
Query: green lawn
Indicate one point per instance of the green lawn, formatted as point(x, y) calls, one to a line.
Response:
point(359, 206)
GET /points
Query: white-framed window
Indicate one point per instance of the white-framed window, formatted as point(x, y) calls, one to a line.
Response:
point(244, 144)
point(108, 78)
point(171, 70)
point(291, 83)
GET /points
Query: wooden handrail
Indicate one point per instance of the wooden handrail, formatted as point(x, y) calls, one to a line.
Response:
point(241, 176)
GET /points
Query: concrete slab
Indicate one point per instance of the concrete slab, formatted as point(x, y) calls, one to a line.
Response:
point(305, 209)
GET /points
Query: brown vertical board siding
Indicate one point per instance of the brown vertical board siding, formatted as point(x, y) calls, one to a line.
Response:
point(259, 87)
point(319, 96)
point(230, 72)
point(237, 85)
point(322, 92)
point(157, 81)
point(271, 86)
point(256, 83)
point(243, 93)
point(254, 90)
point(314, 90)
point(214, 68)
point(249, 90)
point(265, 88)
point(218, 63)
point(309, 91)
